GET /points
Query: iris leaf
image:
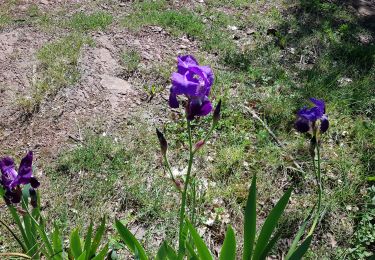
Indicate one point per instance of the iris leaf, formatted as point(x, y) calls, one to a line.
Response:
point(228, 251)
point(82, 256)
point(166, 252)
point(250, 221)
point(203, 251)
point(102, 254)
point(299, 235)
point(98, 237)
point(302, 249)
point(191, 251)
point(131, 241)
point(17, 219)
point(270, 224)
point(270, 245)
point(75, 244)
point(57, 243)
point(87, 246)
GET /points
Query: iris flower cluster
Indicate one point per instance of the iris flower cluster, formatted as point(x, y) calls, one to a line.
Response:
point(193, 81)
point(11, 179)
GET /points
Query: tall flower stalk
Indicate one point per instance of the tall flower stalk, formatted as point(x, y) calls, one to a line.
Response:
point(314, 121)
point(194, 82)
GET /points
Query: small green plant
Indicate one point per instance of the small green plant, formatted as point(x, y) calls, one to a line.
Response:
point(130, 60)
point(87, 22)
point(364, 237)
point(58, 69)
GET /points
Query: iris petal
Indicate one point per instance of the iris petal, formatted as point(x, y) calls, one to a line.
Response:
point(8, 172)
point(184, 62)
point(25, 172)
point(324, 124)
point(183, 85)
point(302, 125)
point(319, 104)
point(173, 102)
point(199, 107)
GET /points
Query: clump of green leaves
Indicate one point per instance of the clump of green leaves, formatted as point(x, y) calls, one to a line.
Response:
point(87, 22)
point(156, 13)
point(130, 60)
point(364, 237)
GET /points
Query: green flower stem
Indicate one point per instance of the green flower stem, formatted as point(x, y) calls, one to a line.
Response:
point(208, 135)
point(184, 193)
point(168, 166)
point(320, 190)
point(194, 204)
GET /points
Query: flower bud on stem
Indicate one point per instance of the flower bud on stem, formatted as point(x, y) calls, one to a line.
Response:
point(217, 114)
point(163, 142)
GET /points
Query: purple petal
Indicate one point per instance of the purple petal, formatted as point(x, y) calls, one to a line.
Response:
point(205, 84)
point(324, 124)
point(173, 102)
point(319, 104)
point(209, 74)
point(199, 107)
point(302, 125)
point(34, 182)
point(311, 114)
point(26, 170)
point(184, 84)
point(9, 174)
point(184, 62)
point(13, 195)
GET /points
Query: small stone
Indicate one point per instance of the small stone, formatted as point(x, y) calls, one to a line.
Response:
point(183, 46)
point(232, 27)
point(250, 31)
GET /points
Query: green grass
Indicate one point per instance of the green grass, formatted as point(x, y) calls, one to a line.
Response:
point(87, 22)
point(105, 175)
point(58, 69)
point(130, 60)
point(154, 13)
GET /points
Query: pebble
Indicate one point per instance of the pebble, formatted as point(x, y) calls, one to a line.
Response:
point(232, 27)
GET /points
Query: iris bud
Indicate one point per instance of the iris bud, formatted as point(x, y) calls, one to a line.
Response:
point(163, 142)
point(199, 144)
point(33, 197)
point(217, 115)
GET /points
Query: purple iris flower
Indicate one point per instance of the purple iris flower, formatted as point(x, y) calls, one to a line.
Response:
point(307, 117)
point(11, 179)
point(193, 81)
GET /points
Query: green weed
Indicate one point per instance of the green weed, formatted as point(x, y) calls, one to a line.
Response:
point(87, 22)
point(130, 60)
point(58, 69)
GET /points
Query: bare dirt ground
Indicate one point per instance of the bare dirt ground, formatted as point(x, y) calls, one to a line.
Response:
point(103, 93)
